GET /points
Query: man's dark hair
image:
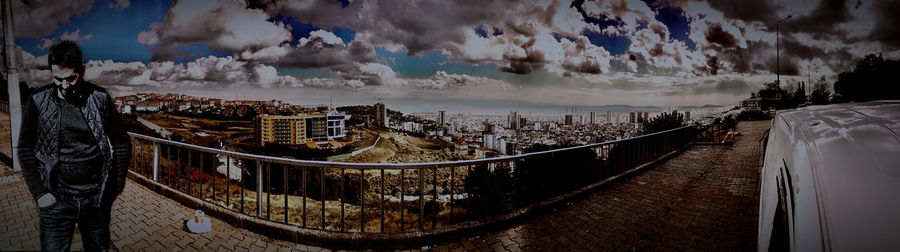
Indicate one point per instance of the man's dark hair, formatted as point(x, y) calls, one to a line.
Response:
point(67, 54)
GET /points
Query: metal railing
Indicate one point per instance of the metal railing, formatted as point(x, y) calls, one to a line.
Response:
point(388, 197)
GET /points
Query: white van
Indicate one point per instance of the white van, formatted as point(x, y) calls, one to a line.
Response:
point(831, 179)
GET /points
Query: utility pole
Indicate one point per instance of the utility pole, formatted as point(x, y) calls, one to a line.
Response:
point(777, 50)
point(808, 78)
point(12, 76)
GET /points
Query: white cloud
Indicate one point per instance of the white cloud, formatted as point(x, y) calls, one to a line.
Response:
point(46, 43)
point(75, 36)
point(37, 19)
point(267, 77)
point(320, 39)
point(320, 49)
point(223, 25)
point(124, 4)
point(443, 80)
point(39, 62)
point(206, 72)
point(380, 74)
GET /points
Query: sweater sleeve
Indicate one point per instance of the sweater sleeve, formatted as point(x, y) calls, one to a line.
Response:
point(26, 152)
point(121, 143)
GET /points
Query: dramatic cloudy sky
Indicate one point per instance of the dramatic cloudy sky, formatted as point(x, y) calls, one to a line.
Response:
point(447, 54)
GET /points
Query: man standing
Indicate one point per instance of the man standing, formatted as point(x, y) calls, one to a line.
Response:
point(74, 154)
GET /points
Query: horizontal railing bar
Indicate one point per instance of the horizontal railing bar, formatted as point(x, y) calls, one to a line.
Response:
point(376, 166)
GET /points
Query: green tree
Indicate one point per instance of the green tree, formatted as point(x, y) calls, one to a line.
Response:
point(774, 95)
point(873, 78)
point(663, 122)
point(771, 90)
point(799, 96)
point(820, 93)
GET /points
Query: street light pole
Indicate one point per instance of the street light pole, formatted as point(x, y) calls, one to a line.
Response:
point(777, 50)
point(12, 84)
point(808, 79)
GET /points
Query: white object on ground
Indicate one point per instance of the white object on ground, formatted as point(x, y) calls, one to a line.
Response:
point(200, 223)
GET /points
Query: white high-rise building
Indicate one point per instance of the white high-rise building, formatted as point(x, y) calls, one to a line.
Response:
point(488, 141)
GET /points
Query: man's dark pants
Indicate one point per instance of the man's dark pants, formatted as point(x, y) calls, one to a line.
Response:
point(58, 224)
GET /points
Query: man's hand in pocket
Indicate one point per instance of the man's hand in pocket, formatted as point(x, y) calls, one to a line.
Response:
point(46, 200)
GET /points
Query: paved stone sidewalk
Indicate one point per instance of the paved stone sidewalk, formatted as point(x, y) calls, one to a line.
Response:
point(705, 199)
point(142, 221)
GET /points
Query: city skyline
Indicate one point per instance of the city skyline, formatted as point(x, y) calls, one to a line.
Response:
point(525, 56)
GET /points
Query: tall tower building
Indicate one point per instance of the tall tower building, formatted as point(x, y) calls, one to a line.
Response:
point(687, 116)
point(513, 120)
point(593, 114)
point(631, 118)
point(441, 118)
point(381, 117)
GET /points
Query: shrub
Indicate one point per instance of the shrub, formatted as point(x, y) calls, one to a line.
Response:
point(663, 122)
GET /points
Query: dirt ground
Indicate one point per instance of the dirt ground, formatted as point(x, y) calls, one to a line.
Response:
point(193, 129)
point(400, 148)
point(5, 145)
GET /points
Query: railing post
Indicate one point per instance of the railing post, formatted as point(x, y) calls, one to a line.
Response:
point(434, 197)
point(343, 198)
point(322, 183)
point(228, 181)
point(259, 188)
point(285, 193)
point(269, 191)
point(382, 200)
point(421, 199)
point(362, 201)
point(305, 195)
point(155, 161)
point(402, 188)
point(452, 174)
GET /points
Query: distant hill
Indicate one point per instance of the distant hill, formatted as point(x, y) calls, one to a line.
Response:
point(707, 106)
point(628, 108)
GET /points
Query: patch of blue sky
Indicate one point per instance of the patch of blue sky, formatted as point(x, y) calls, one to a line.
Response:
point(642, 24)
point(113, 31)
point(481, 32)
point(421, 65)
point(200, 50)
point(615, 45)
point(345, 34)
point(302, 30)
point(601, 22)
point(344, 3)
point(677, 23)
point(426, 64)
point(298, 30)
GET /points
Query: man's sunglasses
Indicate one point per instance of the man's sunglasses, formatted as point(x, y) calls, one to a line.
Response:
point(69, 79)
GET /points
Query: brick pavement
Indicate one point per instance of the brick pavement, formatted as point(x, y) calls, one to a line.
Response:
point(706, 198)
point(142, 220)
point(703, 199)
